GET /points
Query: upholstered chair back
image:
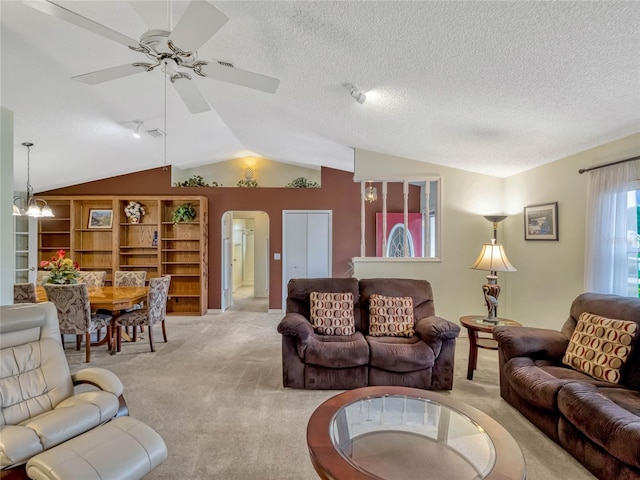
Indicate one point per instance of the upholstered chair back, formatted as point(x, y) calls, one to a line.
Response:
point(299, 292)
point(129, 279)
point(157, 299)
point(419, 290)
point(34, 374)
point(72, 304)
point(617, 308)
point(93, 279)
point(24, 293)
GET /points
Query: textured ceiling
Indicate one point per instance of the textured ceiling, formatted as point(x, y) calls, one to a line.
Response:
point(489, 87)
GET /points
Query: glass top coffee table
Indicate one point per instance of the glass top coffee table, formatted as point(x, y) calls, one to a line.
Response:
point(400, 433)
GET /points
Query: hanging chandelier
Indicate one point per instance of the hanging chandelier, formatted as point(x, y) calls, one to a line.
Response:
point(371, 193)
point(32, 204)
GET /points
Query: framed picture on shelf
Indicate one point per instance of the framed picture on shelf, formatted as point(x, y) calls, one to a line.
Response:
point(541, 222)
point(100, 218)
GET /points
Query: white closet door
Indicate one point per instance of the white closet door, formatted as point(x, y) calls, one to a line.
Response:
point(306, 245)
point(318, 245)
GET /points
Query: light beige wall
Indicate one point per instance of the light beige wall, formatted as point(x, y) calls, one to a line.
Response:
point(550, 274)
point(7, 255)
point(465, 198)
point(267, 173)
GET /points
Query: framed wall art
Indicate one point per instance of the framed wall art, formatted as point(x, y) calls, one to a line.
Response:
point(100, 218)
point(541, 222)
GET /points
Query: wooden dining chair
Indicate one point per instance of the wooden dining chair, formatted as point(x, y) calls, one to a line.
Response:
point(154, 313)
point(93, 279)
point(24, 293)
point(137, 278)
point(74, 314)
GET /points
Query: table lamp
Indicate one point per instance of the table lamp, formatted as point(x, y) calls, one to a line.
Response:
point(493, 259)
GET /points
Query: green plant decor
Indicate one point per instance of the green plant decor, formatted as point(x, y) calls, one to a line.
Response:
point(183, 213)
point(302, 182)
point(247, 183)
point(196, 181)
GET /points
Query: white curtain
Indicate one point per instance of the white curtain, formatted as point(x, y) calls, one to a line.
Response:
point(607, 244)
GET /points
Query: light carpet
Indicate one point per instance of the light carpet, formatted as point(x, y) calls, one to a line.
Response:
point(214, 393)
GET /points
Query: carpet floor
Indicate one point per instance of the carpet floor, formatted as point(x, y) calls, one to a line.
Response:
point(214, 393)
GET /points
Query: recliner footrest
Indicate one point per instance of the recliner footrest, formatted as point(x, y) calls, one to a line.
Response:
point(123, 449)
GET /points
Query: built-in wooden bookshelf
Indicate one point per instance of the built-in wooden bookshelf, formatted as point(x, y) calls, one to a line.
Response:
point(155, 244)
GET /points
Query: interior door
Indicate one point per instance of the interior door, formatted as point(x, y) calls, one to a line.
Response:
point(226, 298)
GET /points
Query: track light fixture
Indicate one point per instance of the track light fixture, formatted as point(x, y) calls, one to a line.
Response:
point(360, 96)
point(138, 124)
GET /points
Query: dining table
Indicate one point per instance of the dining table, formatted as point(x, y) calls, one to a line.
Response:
point(114, 299)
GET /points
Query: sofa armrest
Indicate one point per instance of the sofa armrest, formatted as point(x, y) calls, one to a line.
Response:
point(295, 325)
point(101, 378)
point(435, 330)
point(538, 343)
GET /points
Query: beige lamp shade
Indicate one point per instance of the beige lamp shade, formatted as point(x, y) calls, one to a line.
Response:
point(492, 258)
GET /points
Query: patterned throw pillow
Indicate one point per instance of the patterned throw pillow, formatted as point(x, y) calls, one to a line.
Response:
point(332, 313)
point(599, 346)
point(390, 316)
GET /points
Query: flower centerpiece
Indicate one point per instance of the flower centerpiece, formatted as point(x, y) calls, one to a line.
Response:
point(134, 211)
point(63, 270)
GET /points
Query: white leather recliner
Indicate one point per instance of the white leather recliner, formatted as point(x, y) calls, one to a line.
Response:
point(40, 408)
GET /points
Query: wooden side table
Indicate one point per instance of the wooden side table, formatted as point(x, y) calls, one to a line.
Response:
point(475, 324)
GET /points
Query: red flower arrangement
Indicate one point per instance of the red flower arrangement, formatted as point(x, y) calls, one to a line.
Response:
point(63, 270)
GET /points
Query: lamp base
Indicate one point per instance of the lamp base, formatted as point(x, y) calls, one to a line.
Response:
point(491, 290)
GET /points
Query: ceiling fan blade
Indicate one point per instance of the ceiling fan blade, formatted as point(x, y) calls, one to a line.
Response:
point(245, 78)
point(191, 95)
point(62, 13)
point(199, 23)
point(101, 76)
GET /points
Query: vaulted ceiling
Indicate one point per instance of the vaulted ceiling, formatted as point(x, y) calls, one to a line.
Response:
point(490, 87)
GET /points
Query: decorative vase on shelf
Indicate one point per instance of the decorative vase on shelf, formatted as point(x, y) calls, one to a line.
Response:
point(134, 211)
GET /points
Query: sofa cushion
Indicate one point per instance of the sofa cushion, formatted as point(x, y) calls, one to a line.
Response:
point(17, 444)
point(335, 351)
point(600, 346)
point(399, 354)
point(73, 416)
point(332, 313)
point(607, 416)
point(390, 316)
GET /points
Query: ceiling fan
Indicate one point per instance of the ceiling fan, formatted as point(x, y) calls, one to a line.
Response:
point(175, 52)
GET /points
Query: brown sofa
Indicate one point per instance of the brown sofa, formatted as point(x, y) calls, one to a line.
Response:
point(314, 361)
point(595, 421)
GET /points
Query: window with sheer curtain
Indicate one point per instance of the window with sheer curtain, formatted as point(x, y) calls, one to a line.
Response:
point(612, 263)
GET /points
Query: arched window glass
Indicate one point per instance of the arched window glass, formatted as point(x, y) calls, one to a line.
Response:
point(395, 245)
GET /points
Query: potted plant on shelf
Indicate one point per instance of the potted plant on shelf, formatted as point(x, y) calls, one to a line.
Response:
point(302, 182)
point(183, 213)
point(134, 211)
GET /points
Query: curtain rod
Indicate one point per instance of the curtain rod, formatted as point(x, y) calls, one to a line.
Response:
point(608, 164)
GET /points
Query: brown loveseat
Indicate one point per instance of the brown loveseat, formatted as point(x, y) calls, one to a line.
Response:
point(315, 361)
point(595, 421)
